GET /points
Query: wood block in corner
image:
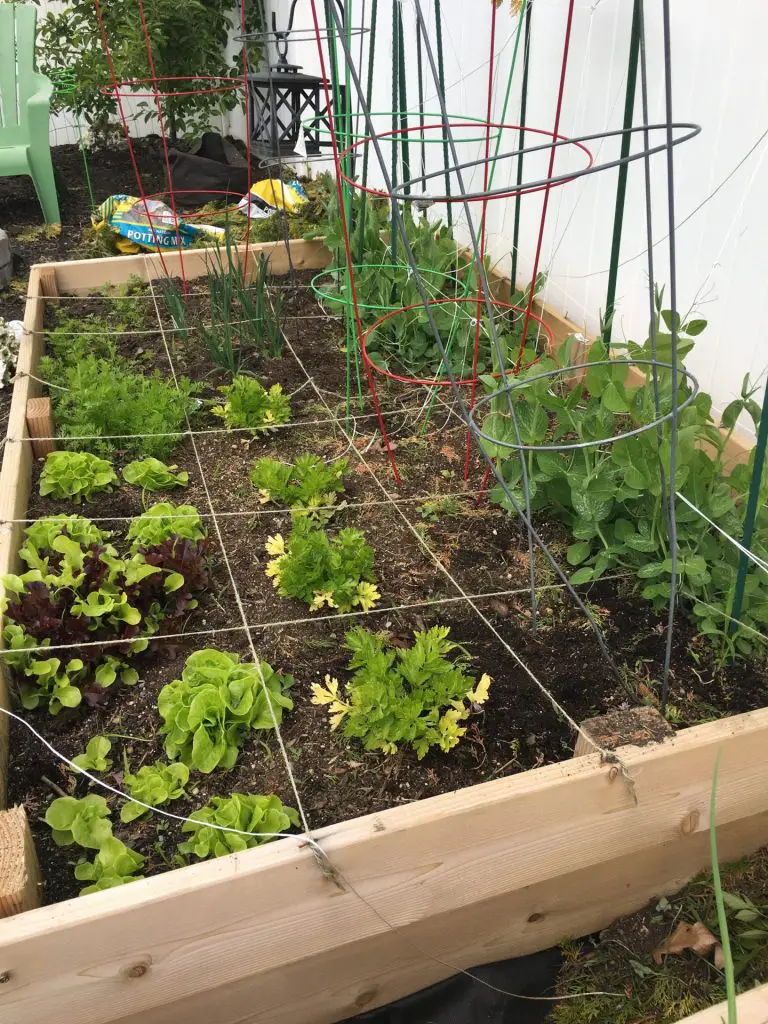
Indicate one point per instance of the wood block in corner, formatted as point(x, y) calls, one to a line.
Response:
point(635, 727)
point(40, 425)
point(20, 884)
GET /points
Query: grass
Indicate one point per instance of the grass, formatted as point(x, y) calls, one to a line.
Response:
point(685, 983)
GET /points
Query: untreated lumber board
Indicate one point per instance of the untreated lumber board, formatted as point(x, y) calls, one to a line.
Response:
point(19, 872)
point(40, 426)
point(498, 870)
point(16, 471)
point(752, 1009)
point(78, 277)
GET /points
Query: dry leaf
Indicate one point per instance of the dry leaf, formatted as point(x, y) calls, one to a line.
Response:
point(719, 957)
point(449, 453)
point(687, 936)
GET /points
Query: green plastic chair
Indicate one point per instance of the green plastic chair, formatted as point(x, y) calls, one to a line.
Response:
point(25, 103)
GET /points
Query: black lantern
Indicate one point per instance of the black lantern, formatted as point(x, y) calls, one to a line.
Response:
point(280, 98)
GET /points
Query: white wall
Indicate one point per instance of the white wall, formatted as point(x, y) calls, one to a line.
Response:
point(720, 80)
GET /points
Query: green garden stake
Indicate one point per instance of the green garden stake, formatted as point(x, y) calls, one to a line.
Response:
point(751, 512)
point(621, 188)
point(441, 82)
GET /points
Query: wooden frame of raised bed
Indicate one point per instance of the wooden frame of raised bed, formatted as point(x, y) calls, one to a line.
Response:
point(400, 899)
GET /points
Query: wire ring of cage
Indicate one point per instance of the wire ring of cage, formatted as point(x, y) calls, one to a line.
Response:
point(395, 194)
point(320, 126)
point(558, 179)
point(339, 300)
point(131, 84)
point(579, 367)
point(436, 381)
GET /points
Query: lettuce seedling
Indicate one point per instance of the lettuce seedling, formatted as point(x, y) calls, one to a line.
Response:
point(165, 520)
point(78, 593)
point(76, 475)
point(309, 484)
point(80, 821)
point(337, 572)
point(95, 758)
point(154, 784)
point(114, 864)
point(208, 713)
point(153, 475)
point(414, 695)
point(244, 812)
point(247, 403)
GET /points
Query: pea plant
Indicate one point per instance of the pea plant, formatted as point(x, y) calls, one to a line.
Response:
point(336, 572)
point(418, 696)
point(611, 496)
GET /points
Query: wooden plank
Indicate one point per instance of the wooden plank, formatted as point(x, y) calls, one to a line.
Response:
point(636, 726)
point(497, 870)
point(20, 884)
point(752, 1009)
point(16, 472)
point(40, 426)
point(78, 277)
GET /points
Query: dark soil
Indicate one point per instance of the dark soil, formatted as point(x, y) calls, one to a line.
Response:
point(480, 547)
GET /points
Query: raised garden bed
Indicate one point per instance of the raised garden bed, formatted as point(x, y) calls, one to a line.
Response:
point(465, 870)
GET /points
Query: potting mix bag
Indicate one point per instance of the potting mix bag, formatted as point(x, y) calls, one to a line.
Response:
point(147, 224)
point(272, 194)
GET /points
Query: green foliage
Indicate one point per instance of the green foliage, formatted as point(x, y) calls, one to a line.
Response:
point(80, 596)
point(241, 811)
point(209, 712)
point(405, 342)
point(165, 520)
point(95, 758)
point(79, 821)
point(154, 784)
point(40, 535)
point(435, 508)
point(416, 695)
point(107, 397)
point(153, 475)
point(310, 565)
point(244, 313)
point(114, 864)
point(610, 496)
point(187, 41)
point(76, 475)
point(247, 403)
point(308, 484)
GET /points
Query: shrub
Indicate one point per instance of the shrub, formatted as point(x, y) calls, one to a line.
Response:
point(109, 399)
point(247, 403)
point(153, 475)
point(163, 521)
point(208, 713)
point(308, 484)
point(415, 695)
point(114, 864)
point(154, 784)
point(95, 758)
point(76, 475)
point(81, 596)
point(337, 572)
point(79, 821)
point(244, 812)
